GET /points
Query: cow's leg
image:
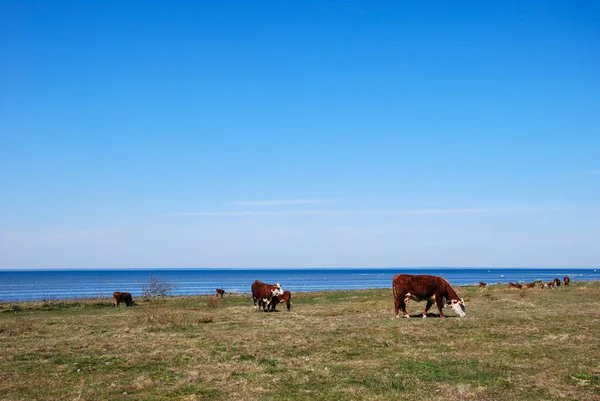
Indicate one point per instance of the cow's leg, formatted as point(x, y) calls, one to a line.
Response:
point(429, 304)
point(256, 304)
point(439, 302)
point(396, 304)
point(265, 303)
point(403, 306)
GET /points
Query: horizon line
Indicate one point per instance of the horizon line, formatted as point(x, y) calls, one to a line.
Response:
point(297, 268)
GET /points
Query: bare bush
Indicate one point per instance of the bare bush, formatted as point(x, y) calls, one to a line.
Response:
point(206, 319)
point(156, 287)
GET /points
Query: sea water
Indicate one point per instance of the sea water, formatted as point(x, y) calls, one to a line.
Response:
point(25, 285)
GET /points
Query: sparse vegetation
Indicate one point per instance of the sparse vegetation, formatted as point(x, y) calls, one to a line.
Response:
point(333, 345)
point(213, 302)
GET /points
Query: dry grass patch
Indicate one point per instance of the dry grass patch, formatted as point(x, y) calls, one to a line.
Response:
point(333, 345)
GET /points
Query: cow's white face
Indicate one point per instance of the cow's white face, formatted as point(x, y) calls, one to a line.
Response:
point(277, 290)
point(458, 306)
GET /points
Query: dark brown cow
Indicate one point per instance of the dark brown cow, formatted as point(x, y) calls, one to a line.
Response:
point(567, 280)
point(482, 285)
point(530, 285)
point(265, 293)
point(425, 288)
point(515, 285)
point(119, 297)
point(556, 282)
point(219, 291)
point(285, 297)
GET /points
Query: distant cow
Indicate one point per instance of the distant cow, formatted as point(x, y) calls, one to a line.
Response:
point(567, 280)
point(515, 285)
point(262, 294)
point(285, 297)
point(556, 282)
point(482, 285)
point(530, 285)
point(425, 288)
point(119, 297)
point(219, 291)
point(549, 285)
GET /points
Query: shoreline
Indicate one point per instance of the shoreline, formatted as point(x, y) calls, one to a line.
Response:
point(141, 300)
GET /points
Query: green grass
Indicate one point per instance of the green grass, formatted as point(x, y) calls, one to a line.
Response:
point(340, 345)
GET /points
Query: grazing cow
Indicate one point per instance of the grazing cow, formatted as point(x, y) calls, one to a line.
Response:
point(556, 282)
point(482, 285)
point(530, 285)
point(285, 297)
point(567, 280)
point(219, 291)
point(265, 293)
point(425, 288)
point(119, 297)
point(515, 285)
point(549, 285)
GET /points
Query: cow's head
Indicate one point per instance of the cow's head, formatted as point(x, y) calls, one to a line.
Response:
point(277, 290)
point(458, 306)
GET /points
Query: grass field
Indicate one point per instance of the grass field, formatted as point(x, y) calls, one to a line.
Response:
point(513, 345)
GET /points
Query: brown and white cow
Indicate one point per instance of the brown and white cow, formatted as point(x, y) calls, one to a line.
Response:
point(262, 294)
point(119, 297)
point(549, 285)
point(556, 282)
point(482, 285)
point(567, 280)
point(425, 288)
point(530, 285)
point(285, 297)
point(219, 291)
point(515, 285)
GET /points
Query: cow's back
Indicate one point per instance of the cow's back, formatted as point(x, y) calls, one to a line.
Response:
point(419, 285)
point(259, 289)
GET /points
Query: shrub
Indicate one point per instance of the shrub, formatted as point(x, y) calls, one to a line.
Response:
point(156, 287)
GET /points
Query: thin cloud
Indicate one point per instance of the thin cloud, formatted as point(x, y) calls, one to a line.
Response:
point(406, 212)
point(276, 202)
point(264, 213)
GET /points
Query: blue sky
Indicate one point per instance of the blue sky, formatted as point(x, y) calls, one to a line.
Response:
point(299, 134)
